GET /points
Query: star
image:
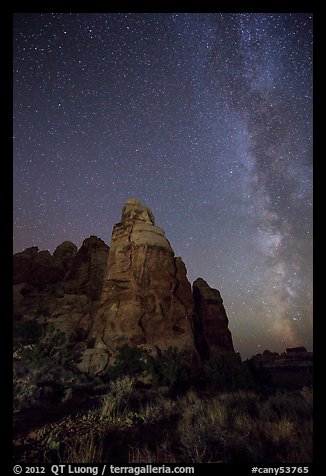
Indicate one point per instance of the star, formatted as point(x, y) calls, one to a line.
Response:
point(206, 118)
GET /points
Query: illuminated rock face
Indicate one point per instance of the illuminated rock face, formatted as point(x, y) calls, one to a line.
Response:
point(146, 297)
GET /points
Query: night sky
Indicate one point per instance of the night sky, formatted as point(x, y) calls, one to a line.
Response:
point(206, 118)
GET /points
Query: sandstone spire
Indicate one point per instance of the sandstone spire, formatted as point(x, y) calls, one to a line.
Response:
point(146, 297)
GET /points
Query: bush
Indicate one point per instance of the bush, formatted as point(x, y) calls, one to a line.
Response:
point(261, 377)
point(130, 360)
point(226, 372)
point(44, 343)
point(171, 369)
point(26, 333)
point(116, 401)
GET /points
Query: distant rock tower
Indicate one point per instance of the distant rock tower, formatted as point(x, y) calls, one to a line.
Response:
point(210, 320)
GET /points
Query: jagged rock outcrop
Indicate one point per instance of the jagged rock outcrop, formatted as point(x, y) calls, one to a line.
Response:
point(62, 288)
point(146, 298)
point(88, 267)
point(211, 322)
point(66, 253)
point(33, 266)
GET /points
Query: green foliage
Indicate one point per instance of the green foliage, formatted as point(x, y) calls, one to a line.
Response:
point(171, 369)
point(26, 332)
point(53, 444)
point(134, 417)
point(31, 354)
point(130, 360)
point(46, 342)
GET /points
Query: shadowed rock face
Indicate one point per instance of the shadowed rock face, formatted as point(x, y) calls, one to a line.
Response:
point(211, 321)
point(146, 298)
point(62, 288)
point(33, 266)
point(66, 253)
point(89, 266)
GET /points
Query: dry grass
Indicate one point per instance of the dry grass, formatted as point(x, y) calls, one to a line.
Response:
point(161, 408)
point(234, 427)
point(87, 449)
point(238, 427)
point(162, 454)
point(114, 405)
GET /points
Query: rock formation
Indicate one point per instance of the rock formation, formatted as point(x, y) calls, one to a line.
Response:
point(146, 298)
point(33, 266)
point(61, 288)
point(291, 369)
point(89, 266)
point(211, 321)
point(134, 292)
point(66, 253)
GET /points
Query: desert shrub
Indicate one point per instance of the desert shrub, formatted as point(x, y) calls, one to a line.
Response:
point(51, 344)
point(116, 410)
point(288, 404)
point(241, 402)
point(130, 360)
point(231, 427)
point(161, 408)
point(226, 372)
point(235, 427)
point(116, 401)
point(31, 354)
point(207, 435)
point(171, 369)
point(25, 391)
point(260, 376)
point(26, 332)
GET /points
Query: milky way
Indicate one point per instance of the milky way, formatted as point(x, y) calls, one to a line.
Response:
point(207, 118)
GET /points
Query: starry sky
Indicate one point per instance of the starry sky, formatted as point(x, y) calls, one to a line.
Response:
point(206, 118)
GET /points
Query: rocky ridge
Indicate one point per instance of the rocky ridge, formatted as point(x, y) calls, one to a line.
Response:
point(291, 369)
